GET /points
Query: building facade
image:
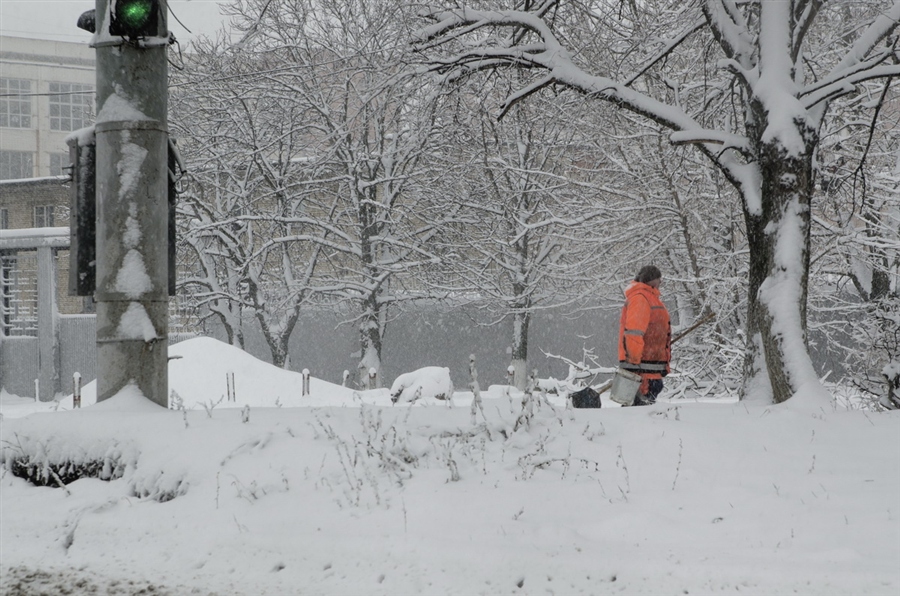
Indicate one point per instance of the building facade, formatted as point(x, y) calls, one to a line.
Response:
point(46, 92)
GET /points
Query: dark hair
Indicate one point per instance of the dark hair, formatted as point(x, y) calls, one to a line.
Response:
point(648, 273)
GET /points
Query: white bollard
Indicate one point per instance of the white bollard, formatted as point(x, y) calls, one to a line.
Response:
point(510, 374)
point(346, 378)
point(76, 390)
point(37, 390)
point(305, 381)
point(373, 378)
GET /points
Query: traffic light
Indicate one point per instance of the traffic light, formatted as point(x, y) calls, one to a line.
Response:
point(83, 213)
point(134, 18)
point(176, 170)
point(88, 20)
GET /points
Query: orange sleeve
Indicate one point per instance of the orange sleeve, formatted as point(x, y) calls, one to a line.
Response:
point(637, 317)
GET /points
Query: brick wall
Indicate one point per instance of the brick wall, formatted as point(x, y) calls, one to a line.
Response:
point(19, 198)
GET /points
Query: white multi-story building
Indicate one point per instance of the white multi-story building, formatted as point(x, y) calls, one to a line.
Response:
point(46, 92)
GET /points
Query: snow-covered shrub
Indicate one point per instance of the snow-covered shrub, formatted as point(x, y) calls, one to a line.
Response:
point(431, 381)
point(55, 462)
point(158, 485)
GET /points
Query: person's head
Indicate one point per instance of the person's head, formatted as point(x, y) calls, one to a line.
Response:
point(650, 275)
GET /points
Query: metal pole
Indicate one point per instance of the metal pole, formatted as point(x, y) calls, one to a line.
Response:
point(132, 211)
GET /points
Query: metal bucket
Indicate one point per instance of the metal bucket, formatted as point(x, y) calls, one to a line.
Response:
point(625, 386)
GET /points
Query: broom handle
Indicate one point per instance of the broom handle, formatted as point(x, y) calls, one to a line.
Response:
point(708, 317)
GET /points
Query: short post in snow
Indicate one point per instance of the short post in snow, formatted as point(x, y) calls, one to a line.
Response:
point(229, 386)
point(37, 390)
point(346, 378)
point(76, 390)
point(371, 381)
point(305, 381)
point(510, 374)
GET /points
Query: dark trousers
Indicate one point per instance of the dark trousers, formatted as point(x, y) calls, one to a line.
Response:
point(654, 388)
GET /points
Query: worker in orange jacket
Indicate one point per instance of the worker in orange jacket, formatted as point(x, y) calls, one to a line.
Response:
point(645, 334)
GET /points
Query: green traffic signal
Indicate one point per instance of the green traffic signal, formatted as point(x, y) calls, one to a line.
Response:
point(134, 18)
point(135, 13)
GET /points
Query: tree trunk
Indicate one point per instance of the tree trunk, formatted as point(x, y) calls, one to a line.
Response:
point(234, 331)
point(278, 344)
point(370, 344)
point(278, 336)
point(519, 362)
point(779, 263)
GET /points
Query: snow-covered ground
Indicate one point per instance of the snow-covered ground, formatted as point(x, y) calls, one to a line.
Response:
point(340, 492)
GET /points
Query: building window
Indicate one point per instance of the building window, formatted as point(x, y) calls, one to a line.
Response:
point(70, 106)
point(58, 163)
point(15, 103)
point(4, 218)
point(43, 216)
point(16, 164)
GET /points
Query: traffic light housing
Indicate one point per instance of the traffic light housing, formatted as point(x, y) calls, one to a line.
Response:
point(83, 212)
point(88, 20)
point(134, 18)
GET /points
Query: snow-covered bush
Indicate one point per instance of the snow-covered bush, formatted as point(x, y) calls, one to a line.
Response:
point(430, 381)
point(56, 461)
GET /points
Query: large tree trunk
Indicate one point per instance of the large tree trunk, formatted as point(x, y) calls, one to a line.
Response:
point(277, 338)
point(370, 332)
point(779, 265)
point(519, 362)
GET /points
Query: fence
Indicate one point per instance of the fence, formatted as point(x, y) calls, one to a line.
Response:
point(19, 293)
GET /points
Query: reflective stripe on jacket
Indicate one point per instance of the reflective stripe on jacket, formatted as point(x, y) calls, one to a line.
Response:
point(645, 332)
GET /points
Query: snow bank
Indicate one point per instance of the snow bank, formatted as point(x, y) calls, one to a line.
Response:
point(669, 499)
point(200, 370)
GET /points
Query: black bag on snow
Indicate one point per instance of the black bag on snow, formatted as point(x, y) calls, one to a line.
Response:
point(586, 398)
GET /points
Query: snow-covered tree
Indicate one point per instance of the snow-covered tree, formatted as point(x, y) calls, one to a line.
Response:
point(239, 144)
point(856, 237)
point(316, 131)
point(754, 107)
point(529, 236)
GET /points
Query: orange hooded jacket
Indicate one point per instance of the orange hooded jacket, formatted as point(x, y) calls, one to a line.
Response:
point(645, 333)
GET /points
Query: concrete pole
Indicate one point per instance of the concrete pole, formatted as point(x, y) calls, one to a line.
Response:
point(132, 211)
